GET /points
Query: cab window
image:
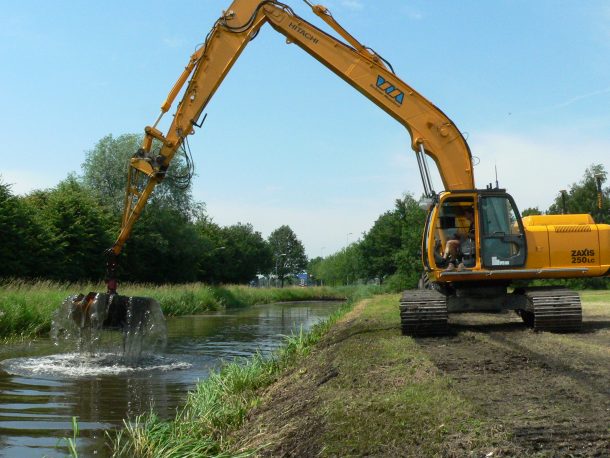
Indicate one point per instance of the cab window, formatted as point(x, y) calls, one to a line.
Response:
point(502, 237)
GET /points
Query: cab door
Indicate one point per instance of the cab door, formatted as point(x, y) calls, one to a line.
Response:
point(503, 243)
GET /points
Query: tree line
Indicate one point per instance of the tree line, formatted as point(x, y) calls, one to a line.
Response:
point(62, 233)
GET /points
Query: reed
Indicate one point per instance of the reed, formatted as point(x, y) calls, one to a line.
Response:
point(26, 308)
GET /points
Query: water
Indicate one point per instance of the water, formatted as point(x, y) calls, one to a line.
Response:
point(43, 386)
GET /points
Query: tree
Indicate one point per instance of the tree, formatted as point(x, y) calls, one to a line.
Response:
point(288, 253)
point(393, 245)
point(531, 211)
point(342, 267)
point(27, 243)
point(81, 228)
point(211, 264)
point(582, 196)
point(408, 257)
point(245, 253)
point(391, 249)
point(164, 247)
point(105, 172)
point(380, 245)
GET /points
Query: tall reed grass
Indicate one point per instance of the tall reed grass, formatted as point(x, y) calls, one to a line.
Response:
point(26, 308)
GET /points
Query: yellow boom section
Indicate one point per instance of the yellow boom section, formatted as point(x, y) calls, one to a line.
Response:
point(430, 129)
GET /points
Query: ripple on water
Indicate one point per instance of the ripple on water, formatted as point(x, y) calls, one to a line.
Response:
point(90, 365)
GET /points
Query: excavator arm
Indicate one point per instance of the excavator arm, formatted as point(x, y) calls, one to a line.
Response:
point(432, 132)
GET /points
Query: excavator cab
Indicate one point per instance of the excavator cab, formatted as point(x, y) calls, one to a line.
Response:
point(471, 231)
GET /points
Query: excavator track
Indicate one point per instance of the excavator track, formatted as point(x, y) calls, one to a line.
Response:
point(553, 309)
point(423, 313)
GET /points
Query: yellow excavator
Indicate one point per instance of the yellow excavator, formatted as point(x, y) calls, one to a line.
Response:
point(475, 245)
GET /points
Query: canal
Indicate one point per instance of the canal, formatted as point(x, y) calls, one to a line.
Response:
point(43, 386)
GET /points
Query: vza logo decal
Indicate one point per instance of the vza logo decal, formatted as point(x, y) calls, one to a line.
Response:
point(390, 90)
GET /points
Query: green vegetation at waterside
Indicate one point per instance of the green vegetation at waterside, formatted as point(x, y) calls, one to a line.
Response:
point(26, 308)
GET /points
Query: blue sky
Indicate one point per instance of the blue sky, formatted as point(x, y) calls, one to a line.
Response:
point(286, 141)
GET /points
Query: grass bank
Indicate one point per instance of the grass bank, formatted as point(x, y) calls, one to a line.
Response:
point(366, 391)
point(26, 308)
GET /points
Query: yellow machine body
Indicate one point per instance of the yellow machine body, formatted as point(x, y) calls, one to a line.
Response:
point(504, 246)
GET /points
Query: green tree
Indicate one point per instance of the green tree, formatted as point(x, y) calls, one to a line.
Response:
point(105, 172)
point(288, 253)
point(408, 257)
point(380, 245)
point(343, 267)
point(582, 196)
point(391, 249)
point(245, 254)
point(27, 243)
point(165, 247)
point(81, 230)
point(313, 268)
point(211, 264)
point(531, 211)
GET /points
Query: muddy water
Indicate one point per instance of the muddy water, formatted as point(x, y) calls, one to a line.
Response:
point(42, 386)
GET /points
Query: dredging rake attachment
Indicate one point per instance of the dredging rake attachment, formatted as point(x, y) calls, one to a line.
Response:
point(110, 310)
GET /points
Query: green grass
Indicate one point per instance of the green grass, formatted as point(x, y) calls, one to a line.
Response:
point(391, 398)
point(26, 308)
point(595, 296)
point(220, 403)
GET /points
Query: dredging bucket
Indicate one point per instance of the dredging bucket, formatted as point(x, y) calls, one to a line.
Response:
point(139, 319)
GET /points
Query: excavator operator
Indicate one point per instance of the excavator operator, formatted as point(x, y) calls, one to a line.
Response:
point(459, 249)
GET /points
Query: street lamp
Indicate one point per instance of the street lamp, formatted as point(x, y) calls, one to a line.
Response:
point(347, 238)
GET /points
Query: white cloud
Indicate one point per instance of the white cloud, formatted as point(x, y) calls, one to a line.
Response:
point(413, 14)
point(173, 42)
point(578, 98)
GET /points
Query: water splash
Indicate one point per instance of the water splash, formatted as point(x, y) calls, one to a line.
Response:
point(87, 365)
point(89, 325)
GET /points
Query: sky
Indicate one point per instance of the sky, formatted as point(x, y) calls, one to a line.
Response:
point(288, 142)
